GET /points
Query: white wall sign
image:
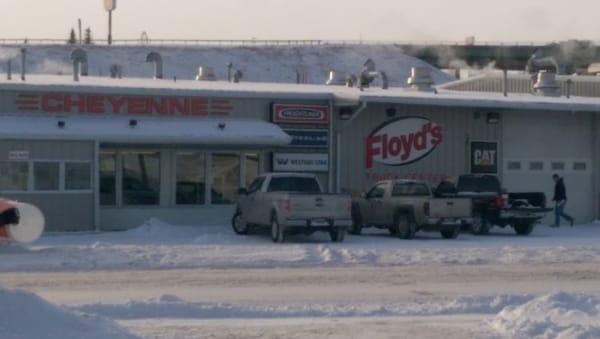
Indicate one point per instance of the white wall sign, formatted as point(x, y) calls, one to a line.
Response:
point(300, 162)
point(18, 155)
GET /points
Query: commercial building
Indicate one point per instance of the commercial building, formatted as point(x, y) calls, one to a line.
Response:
point(106, 153)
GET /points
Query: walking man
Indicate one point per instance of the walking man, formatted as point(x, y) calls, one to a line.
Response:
point(560, 199)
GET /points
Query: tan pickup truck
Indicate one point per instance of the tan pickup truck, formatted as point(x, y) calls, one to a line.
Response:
point(407, 206)
point(291, 203)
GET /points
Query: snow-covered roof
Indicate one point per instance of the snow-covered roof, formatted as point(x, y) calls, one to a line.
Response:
point(226, 132)
point(280, 91)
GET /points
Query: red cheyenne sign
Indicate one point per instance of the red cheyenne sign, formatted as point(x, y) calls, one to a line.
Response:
point(301, 114)
point(116, 104)
point(402, 141)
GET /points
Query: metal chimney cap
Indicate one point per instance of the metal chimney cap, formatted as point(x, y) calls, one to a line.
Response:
point(206, 74)
point(546, 84)
point(337, 78)
point(420, 79)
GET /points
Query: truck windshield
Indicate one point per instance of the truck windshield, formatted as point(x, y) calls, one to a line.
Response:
point(479, 184)
point(294, 185)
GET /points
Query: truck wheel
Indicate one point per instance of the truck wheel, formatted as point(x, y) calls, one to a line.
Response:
point(451, 233)
point(404, 226)
point(277, 232)
point(239, 225)
point(337, 234)
point(480, 226)
point(523, 228)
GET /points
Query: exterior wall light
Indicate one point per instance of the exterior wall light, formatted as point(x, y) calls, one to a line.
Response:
point(61, 124)
point(493, 118)
point(133, 123)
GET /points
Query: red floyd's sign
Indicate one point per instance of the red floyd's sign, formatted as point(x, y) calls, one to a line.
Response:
point(300, 114)
point(402, 141)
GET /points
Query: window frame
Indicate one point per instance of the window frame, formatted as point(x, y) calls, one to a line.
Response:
point(64, 178)
point(28, 182)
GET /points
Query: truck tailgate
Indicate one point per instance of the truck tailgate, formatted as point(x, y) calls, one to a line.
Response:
point(326, 206)
point(450, 208)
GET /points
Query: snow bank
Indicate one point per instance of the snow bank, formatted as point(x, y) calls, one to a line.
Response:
point(558, 315)
point(158, 245)
point(259, 64)
point(25, 315)
point(172, 307)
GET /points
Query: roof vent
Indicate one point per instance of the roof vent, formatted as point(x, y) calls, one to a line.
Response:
point(23, 63)
point(420, 79)
point(155, 58)
point(337, 78)
point(537, 63)
point(546, 84)
point(80, 64)
point(369, 74)
point(237, 76)
point(116, 71)
point(206, 74)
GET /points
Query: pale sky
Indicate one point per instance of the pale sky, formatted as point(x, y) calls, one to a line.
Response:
point(498, 20)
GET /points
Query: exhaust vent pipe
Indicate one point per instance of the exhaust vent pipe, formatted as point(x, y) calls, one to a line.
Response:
point(8, 70)
point(206, 74)
point(420, 79)
point(369, 74)
point(23, 63)
point(536, 63)
point(116, 71)
point(155, 58)
point(546, 85)
point(80, 63)
point(337, 78)
point(237, 76)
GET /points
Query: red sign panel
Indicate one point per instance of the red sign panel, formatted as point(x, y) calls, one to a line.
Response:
point(116, 104)
point(301, 114)
point(402, 141)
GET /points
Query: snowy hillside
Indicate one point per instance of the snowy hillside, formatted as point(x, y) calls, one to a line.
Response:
point(258, 64)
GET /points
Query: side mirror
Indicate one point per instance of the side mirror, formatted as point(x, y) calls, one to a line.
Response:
point(243, 191)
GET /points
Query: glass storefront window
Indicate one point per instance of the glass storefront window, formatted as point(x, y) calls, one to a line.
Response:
point(141, 178)
point(13, 176)
point(78, 176)
point(251, 168)
point(190, 178)
point(108, 179)
point(226, 178)
point(46, 176)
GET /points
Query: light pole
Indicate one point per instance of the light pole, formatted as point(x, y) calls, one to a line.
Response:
point(110, 6)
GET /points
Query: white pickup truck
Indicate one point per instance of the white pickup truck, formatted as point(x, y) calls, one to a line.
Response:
point(407, 206)
point(291, 203)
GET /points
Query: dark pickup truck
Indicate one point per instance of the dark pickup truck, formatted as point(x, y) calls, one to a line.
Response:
point(492, 206)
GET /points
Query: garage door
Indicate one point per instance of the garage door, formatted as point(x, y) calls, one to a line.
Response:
point(538, 144)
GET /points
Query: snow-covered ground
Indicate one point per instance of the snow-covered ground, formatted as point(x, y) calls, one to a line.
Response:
point(167, 281)
point(156, 245)
point(258, 64)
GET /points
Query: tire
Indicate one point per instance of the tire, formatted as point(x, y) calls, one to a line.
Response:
point(356, 228)
point(480, 226)
point(277, 232)
point(337, 234)
point(452, 233)
point(404, 226)
point(523, 228)
point(239, 225)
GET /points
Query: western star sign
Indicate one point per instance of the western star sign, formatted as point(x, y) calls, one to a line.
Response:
point(116, 104)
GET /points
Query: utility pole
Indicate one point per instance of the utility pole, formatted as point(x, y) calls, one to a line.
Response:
point(110, 6)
